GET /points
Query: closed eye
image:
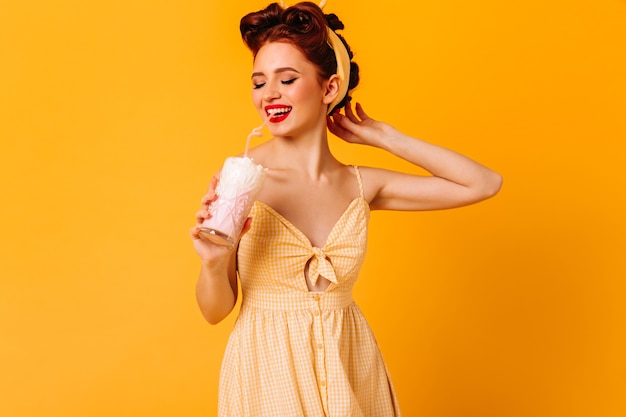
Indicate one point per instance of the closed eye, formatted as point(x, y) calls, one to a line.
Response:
point(287, 82)
point(257, 86)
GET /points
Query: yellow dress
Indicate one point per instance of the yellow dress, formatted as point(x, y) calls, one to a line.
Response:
point(297, 353)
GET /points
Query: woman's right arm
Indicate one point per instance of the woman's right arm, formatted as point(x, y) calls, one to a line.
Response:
point(216, 289)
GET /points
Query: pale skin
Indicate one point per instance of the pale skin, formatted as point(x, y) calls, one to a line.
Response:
point(308, 186)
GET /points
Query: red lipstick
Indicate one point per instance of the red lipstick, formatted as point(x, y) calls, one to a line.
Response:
point(276, 113)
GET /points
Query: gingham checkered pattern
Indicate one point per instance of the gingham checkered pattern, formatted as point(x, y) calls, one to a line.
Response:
point(296, 353)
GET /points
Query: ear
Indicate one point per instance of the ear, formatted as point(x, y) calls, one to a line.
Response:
point(331, 89)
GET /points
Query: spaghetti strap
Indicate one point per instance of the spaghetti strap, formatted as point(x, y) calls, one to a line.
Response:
point(358, 177)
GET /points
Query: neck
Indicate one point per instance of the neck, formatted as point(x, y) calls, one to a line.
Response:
point(308, 154)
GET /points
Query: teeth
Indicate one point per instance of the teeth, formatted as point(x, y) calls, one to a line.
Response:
point(278, 110)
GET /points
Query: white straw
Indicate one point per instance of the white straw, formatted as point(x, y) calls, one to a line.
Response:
point(255, 132)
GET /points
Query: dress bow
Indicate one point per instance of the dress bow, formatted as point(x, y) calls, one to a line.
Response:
point(320, 265)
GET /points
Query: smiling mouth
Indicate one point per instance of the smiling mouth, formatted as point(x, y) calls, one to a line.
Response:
point(278, 114)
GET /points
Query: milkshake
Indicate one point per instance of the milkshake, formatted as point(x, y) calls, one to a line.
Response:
point(239, 184)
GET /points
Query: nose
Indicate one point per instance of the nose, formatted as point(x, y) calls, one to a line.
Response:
point(271, 92)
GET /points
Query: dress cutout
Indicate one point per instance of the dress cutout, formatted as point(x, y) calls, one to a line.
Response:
point(297, 353)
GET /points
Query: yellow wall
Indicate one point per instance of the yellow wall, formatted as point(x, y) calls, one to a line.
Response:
point(114, 114)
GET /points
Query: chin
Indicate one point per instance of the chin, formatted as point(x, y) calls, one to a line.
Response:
point(280, 130)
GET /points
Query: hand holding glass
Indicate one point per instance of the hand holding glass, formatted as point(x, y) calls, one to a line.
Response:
point(239, 184)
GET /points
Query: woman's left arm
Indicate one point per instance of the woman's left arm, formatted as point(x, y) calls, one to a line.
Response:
point(456, 180)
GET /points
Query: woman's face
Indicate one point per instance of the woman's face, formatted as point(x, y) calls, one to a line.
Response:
point(286, 90)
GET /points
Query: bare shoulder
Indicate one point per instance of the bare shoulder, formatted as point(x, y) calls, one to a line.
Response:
point(373, 180)
point(386, 189)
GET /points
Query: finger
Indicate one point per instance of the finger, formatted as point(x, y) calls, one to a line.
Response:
point(340, 120)
point(195, 232)
point(332, 127)
point(207, 200)
point(350, 114)
point(347, 125)
point(336, 129)
point(361, 113)
point(201, 216)
point(331, 122)
point(213, 184)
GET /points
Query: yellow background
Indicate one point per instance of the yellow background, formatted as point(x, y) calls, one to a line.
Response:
point(114, 114)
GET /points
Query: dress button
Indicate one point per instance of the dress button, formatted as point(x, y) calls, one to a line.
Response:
point(316, 313)
point(323, 383)
point(320, 346)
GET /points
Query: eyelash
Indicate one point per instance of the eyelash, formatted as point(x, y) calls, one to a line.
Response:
point(287, 82)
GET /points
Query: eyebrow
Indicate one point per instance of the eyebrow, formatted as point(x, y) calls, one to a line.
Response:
point(276, 71)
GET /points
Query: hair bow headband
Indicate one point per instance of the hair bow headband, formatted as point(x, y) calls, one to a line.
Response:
point(343, 61)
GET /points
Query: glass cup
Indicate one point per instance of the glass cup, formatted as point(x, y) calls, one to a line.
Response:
point(239, 184)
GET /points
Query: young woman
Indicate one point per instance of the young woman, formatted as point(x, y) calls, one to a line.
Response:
point(301, 346)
